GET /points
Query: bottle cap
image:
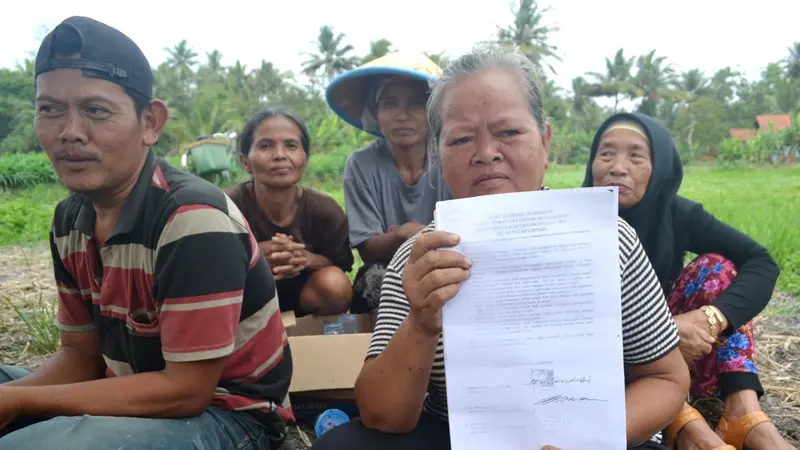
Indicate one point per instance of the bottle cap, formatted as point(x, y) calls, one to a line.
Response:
point(329, 419)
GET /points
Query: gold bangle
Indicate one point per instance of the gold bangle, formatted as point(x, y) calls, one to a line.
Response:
point(721, 319)
point(712, 320)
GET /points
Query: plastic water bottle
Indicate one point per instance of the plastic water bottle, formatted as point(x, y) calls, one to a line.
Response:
point(330, 418)
point(349, 323)
point(333, 328)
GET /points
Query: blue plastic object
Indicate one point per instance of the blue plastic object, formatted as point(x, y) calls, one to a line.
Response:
point(330, 419)
point(333, 328)
point(349, 323)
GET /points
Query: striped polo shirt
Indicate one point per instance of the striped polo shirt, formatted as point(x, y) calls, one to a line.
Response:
point(181, 279)
point(648, 330)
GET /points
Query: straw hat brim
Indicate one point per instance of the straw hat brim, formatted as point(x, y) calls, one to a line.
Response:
point(346, 94)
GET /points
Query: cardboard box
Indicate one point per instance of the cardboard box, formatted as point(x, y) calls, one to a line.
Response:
point(325, 367)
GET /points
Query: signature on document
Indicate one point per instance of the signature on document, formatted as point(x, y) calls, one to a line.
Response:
point(567, 399)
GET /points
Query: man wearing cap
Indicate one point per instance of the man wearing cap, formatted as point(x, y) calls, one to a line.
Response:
point(166, 307)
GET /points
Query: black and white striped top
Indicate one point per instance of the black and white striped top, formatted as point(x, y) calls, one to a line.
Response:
point(648, 331)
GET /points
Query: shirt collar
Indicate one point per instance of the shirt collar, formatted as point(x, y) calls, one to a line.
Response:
point(131, 211)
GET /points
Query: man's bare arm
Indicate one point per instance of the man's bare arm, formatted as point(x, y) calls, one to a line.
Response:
point(180, 390)
point(79, 359)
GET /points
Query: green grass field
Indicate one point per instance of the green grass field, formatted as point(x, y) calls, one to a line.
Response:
point(764, 203)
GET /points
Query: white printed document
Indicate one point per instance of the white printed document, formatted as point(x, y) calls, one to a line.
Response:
point(533, 340)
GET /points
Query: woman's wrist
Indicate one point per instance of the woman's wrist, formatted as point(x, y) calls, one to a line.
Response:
point(717, 322)
point(315, 261)
point(722, 321)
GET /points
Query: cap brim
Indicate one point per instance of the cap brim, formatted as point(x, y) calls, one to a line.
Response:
point(346, 94)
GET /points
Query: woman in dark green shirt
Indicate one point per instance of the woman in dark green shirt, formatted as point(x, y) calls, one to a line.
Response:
point(713, 299)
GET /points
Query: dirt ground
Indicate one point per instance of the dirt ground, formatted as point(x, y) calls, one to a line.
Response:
point(25, 275)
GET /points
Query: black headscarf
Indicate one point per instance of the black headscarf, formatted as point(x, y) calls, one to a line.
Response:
point(654, 218)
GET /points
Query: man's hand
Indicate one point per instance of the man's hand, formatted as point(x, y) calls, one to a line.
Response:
point(10, 407)
point(431, 278)
point(696, 340)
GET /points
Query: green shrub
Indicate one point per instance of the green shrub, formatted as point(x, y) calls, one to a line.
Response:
point(570, 146)
point(329, 132)
point(25, 214)
point(768, 147)
point(327, 167)
point(22, 170)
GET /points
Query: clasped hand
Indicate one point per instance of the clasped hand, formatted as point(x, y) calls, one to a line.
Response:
point(286, 257)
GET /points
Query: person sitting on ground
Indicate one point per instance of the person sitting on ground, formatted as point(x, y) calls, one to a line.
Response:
point(391, 186)
point(713, 298)
point(486, 115)
point(302, 232)
point(166, 307)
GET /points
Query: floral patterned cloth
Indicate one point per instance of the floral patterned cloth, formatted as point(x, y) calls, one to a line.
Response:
point(700, 282)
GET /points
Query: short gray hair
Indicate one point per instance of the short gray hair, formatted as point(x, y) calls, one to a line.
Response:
point(483, 59)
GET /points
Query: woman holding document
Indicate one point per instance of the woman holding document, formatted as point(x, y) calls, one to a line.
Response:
point(486, 115)
point(713, 298)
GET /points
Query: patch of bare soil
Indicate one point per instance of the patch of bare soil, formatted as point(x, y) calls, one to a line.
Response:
point(26, 276)
point(778, 345)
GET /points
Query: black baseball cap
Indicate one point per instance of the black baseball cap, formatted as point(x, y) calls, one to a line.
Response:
point(102, 52)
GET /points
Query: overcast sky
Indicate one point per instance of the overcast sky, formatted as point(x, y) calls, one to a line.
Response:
point(708, 34)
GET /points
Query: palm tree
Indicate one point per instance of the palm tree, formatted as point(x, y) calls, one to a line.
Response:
point(169, 87)
point(787, 94)
point(268, 81)
point(529, 35)
point(579, 95)
point(693, 82)
point(655, 78)
point(723, 84)
point(239, 82)
point(209, 114)
point(378, 48)
point(617, 82)
point(238, 78)
point(332, 57)
point(556, 107)
point(792, 62)
point(214, 61)
point(181, 58)
point(213, 71)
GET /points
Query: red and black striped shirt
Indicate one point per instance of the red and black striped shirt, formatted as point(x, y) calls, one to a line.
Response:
point(180, 279)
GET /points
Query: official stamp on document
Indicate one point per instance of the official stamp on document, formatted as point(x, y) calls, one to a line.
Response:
point(542, 377)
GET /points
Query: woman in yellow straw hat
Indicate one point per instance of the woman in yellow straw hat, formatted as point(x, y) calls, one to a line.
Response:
point(391, 186)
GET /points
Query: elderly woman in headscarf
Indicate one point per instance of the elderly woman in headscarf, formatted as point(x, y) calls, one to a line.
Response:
point(487, 117)
point(713, 298)
point(391, 186)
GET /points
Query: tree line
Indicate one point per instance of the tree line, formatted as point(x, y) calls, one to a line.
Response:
point(206, 97)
